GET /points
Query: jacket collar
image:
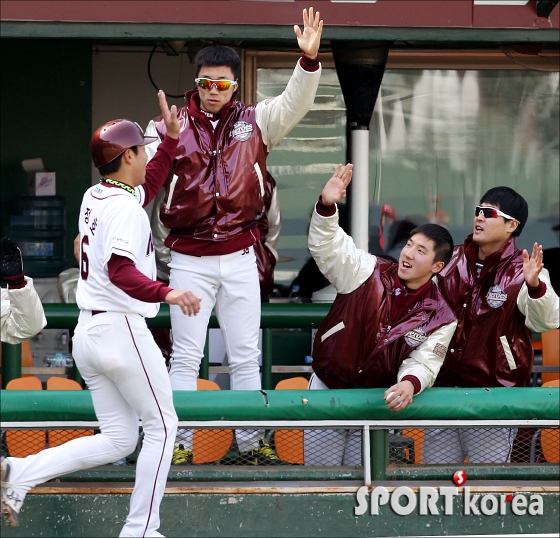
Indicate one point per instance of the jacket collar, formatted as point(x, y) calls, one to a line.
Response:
point(427, 295)
point(192, 101)
point(505, 253)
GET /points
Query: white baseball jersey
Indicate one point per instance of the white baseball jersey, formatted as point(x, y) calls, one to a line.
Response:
point(112, 221)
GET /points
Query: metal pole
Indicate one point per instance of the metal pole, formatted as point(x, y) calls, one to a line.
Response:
point(267, 359)
point(379, 454)
point(367, 457)
point(359, 210)
point(11, 362)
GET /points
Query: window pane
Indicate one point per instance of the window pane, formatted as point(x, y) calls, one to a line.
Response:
point(441, 138)
point(303, 161)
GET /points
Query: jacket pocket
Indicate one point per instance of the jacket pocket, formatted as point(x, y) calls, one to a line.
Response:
point(509, 355)
point(333, 330)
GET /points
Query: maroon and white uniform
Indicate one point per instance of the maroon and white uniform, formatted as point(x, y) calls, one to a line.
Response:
point(376, 333)
point(213, 200)
point(492, 346)
point(116, 353)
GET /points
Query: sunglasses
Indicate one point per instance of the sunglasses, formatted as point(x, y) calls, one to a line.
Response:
point(221, 85)
point(491, 213)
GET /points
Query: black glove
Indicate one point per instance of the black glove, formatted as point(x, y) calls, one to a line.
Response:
point(11, 265)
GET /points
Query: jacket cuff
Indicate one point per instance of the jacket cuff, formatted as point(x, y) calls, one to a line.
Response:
point(308, 64)
point(325, 210)
point(16, 282)
point(415, 382)
point(538, 292)
point(162, 292)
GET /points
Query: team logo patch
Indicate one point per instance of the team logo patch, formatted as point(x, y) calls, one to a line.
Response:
point(496, 297)
point(415, 337)
point(440, 350)
point(242, 130)
point(120, 241)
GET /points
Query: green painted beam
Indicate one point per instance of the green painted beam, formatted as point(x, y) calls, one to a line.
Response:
point(11, 362)
point(272, 515)
point(266, 33)
point(341, 404)
point(278, 316)
point(303, 473)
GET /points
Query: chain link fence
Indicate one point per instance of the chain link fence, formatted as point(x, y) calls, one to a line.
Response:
point(329, 447)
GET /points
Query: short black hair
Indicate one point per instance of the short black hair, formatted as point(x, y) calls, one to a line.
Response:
point(115, 164)
point(441, 237)
point(510, 202)
point(216, 56)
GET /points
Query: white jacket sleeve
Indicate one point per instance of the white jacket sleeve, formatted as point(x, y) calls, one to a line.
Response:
point(425, 361)
point(277, 117)
point(345, 266)
point(22, 314)
point(541, 314)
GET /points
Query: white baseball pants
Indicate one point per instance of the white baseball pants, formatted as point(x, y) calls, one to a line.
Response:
point(126, 375)
point(331, 447)
point(229, 284)
point(480, 445)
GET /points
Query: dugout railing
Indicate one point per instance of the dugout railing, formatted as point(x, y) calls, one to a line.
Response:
point(534, 409)
point(390, 445)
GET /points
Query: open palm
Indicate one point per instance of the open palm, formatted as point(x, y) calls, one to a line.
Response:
point(310, 38)
point(335, 189)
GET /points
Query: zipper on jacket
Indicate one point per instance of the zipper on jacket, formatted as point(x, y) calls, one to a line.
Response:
point(260, 176)
point(171, 190)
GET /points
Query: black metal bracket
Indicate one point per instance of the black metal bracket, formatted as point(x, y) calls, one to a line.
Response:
point(545, 7)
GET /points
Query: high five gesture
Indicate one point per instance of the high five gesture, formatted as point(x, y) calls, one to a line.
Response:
point(310, 38)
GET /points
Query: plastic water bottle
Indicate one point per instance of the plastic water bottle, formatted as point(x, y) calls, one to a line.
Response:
point(295, 295)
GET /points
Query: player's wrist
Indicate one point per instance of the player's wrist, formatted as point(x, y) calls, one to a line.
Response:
point(309, 63)
point(16, 282)
point(325, 209)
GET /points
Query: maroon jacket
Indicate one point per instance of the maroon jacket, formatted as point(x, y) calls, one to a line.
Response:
point(368, 353)
point(217, 194)
point(486, 309)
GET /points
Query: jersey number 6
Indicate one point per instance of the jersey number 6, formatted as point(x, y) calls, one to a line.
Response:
point(84, 262)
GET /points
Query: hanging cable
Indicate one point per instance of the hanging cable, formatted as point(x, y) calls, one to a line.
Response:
point(152, 80)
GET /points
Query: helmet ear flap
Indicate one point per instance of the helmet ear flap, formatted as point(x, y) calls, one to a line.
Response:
point(114, 138)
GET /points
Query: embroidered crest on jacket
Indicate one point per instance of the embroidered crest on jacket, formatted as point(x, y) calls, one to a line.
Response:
point(241, 130)
point(496, 297)
point(415, 337)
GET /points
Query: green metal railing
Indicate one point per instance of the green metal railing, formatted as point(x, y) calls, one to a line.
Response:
point(273, 316)
point(362, 408)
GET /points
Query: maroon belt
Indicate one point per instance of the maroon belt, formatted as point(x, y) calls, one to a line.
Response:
point(95, 312)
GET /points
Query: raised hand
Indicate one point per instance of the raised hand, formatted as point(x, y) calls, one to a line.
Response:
point(335, 189)
point(310, 39)
point(169, 116)
point(532, 266)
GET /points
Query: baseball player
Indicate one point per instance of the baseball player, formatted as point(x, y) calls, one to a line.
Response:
point(113, 348)
point(213, 200)
point(388, 327)
point(22, 313)
point(500, 294)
